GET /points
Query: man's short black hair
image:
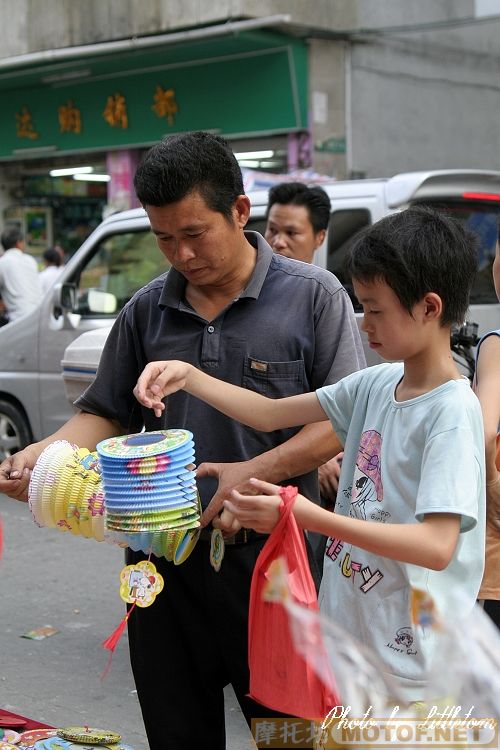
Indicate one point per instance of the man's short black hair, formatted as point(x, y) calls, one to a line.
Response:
point(10, 237)
point(181, 164)
point(415, 252)
point(314, 199)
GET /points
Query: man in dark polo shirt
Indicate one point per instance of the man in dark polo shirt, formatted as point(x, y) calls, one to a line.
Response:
point(297, 218)
point(236, 310)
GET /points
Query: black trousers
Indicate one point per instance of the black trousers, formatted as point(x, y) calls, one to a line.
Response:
point(492, 608)
point(191, 643)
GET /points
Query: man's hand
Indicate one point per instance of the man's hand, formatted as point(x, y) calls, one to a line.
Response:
point(230, 476)
point(160, 379)
point(329, 474)
point(15, 473)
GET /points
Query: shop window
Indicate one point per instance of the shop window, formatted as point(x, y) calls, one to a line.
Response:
point(121, 264)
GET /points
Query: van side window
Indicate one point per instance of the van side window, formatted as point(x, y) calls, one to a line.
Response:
point(344, 226)
point(257, 225)
point(120, 265)
point(482, 219)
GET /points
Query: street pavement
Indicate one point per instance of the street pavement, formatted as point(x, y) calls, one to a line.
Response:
point(70, 583)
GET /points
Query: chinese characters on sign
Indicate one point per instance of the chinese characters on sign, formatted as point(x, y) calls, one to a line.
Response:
point(24, 124)
point(165, 104)
point(115, 112)
point(70, 120)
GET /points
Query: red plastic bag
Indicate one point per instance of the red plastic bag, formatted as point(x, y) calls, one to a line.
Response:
point(279, 677)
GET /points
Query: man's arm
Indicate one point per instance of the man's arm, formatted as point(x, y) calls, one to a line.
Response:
point(488, 392)
point(305, 451)
point(84, 430)
point(430, 543)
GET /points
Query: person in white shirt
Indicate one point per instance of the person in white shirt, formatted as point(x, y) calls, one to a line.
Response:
point(19, 284)
point(51, 270)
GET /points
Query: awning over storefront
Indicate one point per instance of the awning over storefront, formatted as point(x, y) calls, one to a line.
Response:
point(241, 85)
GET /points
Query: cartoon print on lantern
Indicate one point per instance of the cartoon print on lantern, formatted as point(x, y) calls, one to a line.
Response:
point(367, 482)
point(140, 583)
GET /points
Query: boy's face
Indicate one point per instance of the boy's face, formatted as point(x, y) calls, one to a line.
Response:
point(392, 332)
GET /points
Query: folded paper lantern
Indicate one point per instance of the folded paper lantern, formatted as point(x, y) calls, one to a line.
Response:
point(135, 490)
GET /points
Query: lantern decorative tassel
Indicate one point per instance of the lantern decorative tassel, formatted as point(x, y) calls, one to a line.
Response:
point(111, 641)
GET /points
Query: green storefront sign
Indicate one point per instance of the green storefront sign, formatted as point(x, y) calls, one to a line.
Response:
point(333, 145)
point(245, 85)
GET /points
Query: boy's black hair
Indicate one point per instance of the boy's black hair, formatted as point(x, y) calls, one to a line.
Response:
point(52, 257)
point(10, 237)
point(181, 164)
point(415, 252)
point(315, 200)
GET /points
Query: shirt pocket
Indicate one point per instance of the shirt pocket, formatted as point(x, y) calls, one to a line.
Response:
point(274, 379)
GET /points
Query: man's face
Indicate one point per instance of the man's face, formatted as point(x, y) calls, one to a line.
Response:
point(200, 243)
point(289, 232)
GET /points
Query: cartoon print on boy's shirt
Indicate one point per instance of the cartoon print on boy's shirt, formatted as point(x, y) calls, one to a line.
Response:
point(359, 573)
point(366, 487)
point(367, 482)
point(403, 639)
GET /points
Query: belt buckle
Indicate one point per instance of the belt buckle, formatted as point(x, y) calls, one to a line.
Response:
point(240, 537)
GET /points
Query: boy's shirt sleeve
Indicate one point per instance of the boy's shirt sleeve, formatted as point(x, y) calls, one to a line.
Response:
point(452, 477)
point(338, 401)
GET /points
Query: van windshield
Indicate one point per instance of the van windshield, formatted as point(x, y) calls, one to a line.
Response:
point(482, 219)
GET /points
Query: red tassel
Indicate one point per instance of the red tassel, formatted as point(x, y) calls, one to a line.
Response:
point(112, 641)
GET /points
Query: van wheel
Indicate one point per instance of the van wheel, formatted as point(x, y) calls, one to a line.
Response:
point(15, 433)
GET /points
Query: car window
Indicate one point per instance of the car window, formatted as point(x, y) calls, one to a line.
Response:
point(121, 264)
point(257, 225)
point(481, 218)
point(343, 228)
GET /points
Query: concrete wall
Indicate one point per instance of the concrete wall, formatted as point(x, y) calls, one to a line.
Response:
point(430, 100)
point(45, 24)
point(327, 110)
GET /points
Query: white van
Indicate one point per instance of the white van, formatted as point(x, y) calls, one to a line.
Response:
point(121, 256)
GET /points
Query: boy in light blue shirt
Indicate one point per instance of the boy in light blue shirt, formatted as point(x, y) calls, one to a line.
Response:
point(411, 503)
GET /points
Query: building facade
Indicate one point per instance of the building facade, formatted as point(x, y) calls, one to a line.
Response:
point(345, 88)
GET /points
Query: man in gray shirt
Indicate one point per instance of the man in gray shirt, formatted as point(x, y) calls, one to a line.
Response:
point(19, 285)
point(232, 307)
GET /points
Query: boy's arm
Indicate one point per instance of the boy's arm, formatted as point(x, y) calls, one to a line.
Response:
point(162, 378)
point(305, 451)
point(430, 544)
